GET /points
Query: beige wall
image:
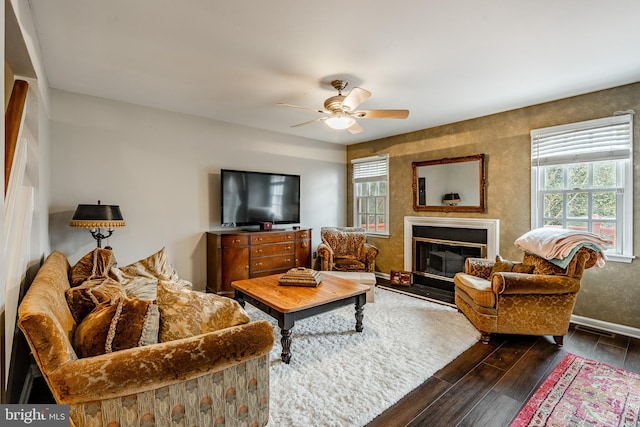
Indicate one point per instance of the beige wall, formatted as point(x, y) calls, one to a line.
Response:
point(610, 294)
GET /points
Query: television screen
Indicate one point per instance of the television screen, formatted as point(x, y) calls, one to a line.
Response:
point(250, 198)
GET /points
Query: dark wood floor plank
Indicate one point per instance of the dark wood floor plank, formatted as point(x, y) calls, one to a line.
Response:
point(454, 404)
point(408, 408)
point(467, 361)
point(529, 372)
point(632, 361)
point(508, 353)
point(610, 354)
point(494, 410)
point(582, 343)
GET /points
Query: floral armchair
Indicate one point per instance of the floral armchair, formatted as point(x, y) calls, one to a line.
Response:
point(346, 249)
point(535, 297)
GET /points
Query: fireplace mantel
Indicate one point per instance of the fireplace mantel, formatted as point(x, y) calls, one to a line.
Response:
point(492, 226)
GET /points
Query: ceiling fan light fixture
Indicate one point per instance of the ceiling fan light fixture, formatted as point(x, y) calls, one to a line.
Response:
point(339, 121)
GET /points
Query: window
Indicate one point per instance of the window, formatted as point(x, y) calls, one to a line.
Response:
point(370, 194)
point(582, 179)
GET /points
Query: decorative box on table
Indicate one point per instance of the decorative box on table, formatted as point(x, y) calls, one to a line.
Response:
point(301, 276)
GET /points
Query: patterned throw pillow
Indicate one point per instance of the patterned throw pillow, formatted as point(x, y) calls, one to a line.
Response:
point(185, 313)
point(84, 298)
point(95, 264)
point(140, 279)
point(504, 265)
point(117, 324)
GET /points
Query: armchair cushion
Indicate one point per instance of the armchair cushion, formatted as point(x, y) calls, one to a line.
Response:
point(185, 313)
point(117, 324)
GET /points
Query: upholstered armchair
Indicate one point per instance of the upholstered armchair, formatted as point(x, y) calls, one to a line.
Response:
point(346, 249)
point(535, 297)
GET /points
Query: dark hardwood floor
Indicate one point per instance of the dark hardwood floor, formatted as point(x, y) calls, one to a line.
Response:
point(488, 384)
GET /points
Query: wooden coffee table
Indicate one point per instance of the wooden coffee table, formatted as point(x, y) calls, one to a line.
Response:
point(290, 303)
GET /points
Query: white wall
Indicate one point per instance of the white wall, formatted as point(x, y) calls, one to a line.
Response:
point(163, 169)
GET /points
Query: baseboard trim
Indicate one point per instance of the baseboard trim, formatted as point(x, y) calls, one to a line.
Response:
point(606, 326)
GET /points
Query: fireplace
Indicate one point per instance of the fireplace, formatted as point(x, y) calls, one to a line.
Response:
point(440, 260)
point(435, 249)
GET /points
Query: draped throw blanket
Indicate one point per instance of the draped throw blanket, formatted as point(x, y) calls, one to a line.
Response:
point(558, 245)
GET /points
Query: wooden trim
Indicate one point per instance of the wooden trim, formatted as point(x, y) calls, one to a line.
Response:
point(12, 121)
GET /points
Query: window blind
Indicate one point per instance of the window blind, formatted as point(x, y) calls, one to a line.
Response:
point(610, 138)
point(370, 168)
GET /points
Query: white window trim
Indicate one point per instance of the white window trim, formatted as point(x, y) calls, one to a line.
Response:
point(627, 209)
point(355, 199)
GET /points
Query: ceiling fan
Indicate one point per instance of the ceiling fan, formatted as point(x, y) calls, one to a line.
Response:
point(341, 109)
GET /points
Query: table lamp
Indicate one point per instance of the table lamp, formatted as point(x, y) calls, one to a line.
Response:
point(95, 217)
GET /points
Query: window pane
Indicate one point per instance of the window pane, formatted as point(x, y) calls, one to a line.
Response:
point(382, 188)
point(380, 223)
point(553, 178)
point(604, 175)
point(607, 230)
point(578, 225)
point(373, 189)
point(577, 205)
point(364, 189)
point(360, 207)
point(381, 203)
point(371, 205)
point(372, 222)
point(553, 223)
point(578, 176)
point(552, 205)
point(604, 204)
point(363, 221)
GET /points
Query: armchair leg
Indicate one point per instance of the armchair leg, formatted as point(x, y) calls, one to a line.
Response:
point(558, 339)
point(484, 337)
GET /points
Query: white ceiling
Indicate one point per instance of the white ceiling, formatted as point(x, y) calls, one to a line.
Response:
point(234, 60)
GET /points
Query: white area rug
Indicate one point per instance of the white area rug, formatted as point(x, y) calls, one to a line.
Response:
point(340, 377)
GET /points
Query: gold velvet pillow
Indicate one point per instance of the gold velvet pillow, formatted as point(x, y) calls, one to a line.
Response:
point(84, 298)
point(94, 264)
point(117, 324)
point(185, 313)
point(504, 265)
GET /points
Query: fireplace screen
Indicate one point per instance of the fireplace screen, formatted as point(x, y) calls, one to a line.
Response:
point(442, 259)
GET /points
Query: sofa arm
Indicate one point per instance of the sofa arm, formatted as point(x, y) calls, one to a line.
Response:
point(479, 267)
point(533, 284)
point(150, 367)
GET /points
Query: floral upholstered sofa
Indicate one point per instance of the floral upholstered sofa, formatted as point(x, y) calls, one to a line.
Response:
point(177, 357)
point(346, 249)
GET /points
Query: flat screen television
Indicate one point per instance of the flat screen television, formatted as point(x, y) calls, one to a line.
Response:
point(251, 198)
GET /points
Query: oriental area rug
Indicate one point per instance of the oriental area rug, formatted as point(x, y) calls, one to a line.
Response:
point(583, 392)
point(343, 378)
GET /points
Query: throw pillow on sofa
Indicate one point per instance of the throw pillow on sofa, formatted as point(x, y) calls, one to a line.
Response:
point(84, 298)
point(185, 312)
point(140, 279)
point(95, 264)
point(117, 324)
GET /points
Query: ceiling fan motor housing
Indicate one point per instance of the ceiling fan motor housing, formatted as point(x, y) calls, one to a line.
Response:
point(334, 104)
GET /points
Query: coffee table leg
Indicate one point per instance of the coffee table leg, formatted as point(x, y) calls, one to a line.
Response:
point(360, 301)
point(239, 296)
point(285, 340)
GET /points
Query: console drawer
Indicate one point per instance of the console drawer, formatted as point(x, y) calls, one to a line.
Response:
point(234, 240)
point(265, 238)
point(274, 249)
point(272, 263)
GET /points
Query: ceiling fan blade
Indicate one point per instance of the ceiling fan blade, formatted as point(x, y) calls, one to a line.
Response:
point(282, 104)
point(356, 97)
point(381, 114)
point(321, 119)
point(355, 128)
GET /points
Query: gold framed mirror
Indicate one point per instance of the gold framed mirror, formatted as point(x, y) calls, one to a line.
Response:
point(450, 184)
